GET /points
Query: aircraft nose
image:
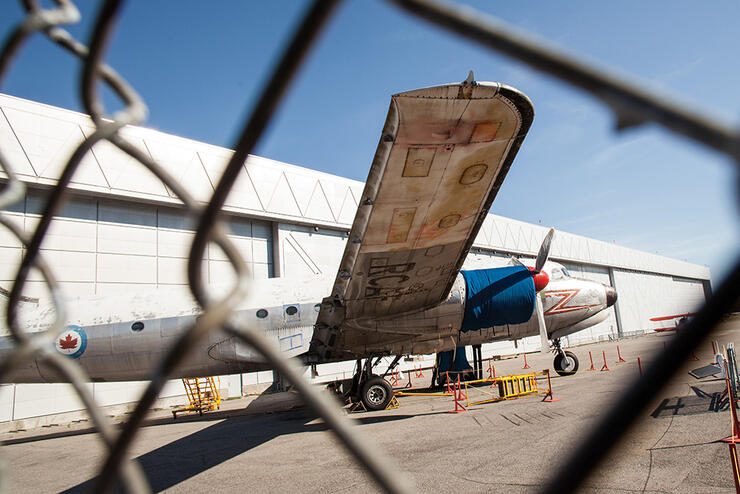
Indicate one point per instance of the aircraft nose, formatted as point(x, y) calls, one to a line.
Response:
point(611, 296)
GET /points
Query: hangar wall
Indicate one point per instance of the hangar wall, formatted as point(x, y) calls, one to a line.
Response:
point(104, 246)
point(123, 230)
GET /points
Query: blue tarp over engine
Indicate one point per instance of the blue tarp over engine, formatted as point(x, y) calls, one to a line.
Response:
point(446, 363)
point(497, 296)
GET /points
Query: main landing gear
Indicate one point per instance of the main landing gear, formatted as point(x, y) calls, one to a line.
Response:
point(565, 363)
point(373, 391)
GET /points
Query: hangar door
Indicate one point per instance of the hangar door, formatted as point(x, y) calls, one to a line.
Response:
point(643, 296)
point(104, 246)
point(306, 252)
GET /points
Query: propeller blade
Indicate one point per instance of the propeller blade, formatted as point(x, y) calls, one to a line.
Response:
point(544, 339)
point(544, 251)
point(515, 262)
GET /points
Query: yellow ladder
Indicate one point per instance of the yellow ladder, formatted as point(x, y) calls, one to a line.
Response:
point(203, 393)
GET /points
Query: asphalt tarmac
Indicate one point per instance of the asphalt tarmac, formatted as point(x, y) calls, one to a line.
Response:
point(272, 444)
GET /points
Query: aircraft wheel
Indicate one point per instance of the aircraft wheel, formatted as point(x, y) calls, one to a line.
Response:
point(376, 393)
point(566, 364)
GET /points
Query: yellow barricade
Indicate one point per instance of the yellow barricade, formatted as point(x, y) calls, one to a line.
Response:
point(501, 388)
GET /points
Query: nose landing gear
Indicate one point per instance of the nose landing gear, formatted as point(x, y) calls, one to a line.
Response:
point(565, 363)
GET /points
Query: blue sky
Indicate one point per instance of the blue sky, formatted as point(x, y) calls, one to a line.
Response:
point(199, 68)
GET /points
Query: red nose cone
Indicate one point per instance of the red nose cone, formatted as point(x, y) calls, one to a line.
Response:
point(540, 280)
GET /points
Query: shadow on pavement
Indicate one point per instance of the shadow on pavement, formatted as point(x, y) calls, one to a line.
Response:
point(193, 454)
point(706, 398)
point(264, 403)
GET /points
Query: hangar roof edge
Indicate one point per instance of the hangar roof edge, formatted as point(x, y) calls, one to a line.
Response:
point(37, 138)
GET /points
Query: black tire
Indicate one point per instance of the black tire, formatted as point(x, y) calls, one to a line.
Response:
point(376, 393)
point(566, 365)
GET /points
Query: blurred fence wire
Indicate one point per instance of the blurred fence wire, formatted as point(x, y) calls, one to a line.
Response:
point(631, 105)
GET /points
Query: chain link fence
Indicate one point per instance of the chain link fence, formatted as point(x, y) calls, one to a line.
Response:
point(630, 104)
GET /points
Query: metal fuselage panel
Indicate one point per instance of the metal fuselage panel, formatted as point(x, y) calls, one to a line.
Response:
point(131, 342)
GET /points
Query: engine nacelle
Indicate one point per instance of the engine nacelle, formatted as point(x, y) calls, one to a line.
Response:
point(479, 299)
point(497, 296)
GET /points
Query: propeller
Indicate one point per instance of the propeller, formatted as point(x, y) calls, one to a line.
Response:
point(541, 280)
point(544, 251)
point(540, 277)
point(540, 310)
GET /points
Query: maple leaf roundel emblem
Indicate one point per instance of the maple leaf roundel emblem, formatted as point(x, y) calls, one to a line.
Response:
point(72, 341)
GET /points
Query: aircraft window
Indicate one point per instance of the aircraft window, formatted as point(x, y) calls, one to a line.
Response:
point(137, 326)
point(317, 307)
point(556, 274)
point(291, 310)
point(262, 313)
point(566, 272)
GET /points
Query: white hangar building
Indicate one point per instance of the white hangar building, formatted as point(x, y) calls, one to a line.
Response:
point(123, 230)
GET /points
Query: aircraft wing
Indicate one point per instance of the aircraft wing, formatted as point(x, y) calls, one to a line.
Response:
point(442, 157)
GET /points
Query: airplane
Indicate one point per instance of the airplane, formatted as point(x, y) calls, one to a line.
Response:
point(677, 321)
point(442, 157)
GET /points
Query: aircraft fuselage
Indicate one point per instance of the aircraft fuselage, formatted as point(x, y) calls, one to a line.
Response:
point(129, 344)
